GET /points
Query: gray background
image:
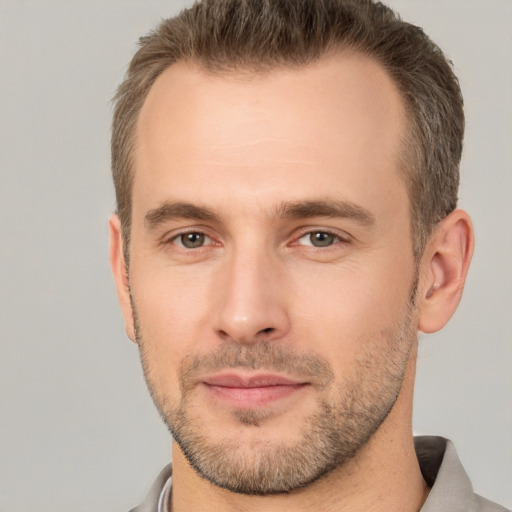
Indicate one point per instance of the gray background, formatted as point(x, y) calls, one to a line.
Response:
point(78, 430)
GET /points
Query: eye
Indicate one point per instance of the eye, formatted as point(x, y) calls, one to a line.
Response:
point(318, 239)
point(192, 240)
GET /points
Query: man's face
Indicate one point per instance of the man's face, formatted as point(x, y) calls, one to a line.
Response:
point(271, 267)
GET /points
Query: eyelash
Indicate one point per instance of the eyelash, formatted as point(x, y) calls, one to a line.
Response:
point(310, 232)
point(174, 239)
point(331, 239)
point(338, 238)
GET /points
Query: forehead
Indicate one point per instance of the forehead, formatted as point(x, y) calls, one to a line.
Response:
point(339, 121)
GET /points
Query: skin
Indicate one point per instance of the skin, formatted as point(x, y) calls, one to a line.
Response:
point(241, 148)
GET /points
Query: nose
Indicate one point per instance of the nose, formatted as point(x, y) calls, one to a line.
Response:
point(251, 298)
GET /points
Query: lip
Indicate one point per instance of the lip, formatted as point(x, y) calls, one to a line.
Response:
point(250, 391)
point(235, 380)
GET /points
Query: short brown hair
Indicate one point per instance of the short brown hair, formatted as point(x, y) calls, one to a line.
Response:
point(255, 35)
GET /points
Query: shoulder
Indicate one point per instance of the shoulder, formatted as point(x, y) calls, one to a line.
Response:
point(450, 486)
point(151, 502)
point(484, 505)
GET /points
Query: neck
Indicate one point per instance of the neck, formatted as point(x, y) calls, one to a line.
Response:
point(383, 476)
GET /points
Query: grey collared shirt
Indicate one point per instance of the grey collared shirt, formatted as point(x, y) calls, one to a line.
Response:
point(451, 489)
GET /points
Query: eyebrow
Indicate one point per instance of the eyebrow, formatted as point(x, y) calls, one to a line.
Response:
point(171, 210)
point(326, 208)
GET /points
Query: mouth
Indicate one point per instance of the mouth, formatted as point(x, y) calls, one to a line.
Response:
point(251, 391)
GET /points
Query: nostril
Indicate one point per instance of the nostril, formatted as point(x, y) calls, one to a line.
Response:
point(267, 330)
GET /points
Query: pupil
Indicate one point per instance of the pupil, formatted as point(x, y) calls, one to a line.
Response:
point(192, 240)
point(320, 239)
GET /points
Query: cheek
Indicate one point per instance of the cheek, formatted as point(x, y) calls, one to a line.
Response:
point(172, 315)
point(346, 311)
point(169, 298)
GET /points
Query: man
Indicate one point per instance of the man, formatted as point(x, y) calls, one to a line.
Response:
point(286, 177)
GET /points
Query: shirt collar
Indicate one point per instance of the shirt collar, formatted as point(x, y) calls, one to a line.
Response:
point(451, 489)
point(164, 500)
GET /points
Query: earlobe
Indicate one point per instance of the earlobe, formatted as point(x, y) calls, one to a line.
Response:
point(445, 265)
point(120, 272)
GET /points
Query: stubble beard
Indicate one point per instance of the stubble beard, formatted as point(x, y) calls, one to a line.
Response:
point(347, 412)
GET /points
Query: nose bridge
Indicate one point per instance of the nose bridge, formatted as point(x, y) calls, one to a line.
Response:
point(250, 306)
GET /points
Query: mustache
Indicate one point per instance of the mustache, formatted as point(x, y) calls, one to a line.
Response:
point(258, 356)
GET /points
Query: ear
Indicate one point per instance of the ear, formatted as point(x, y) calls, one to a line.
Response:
point(120, 271)
point(444, 267)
